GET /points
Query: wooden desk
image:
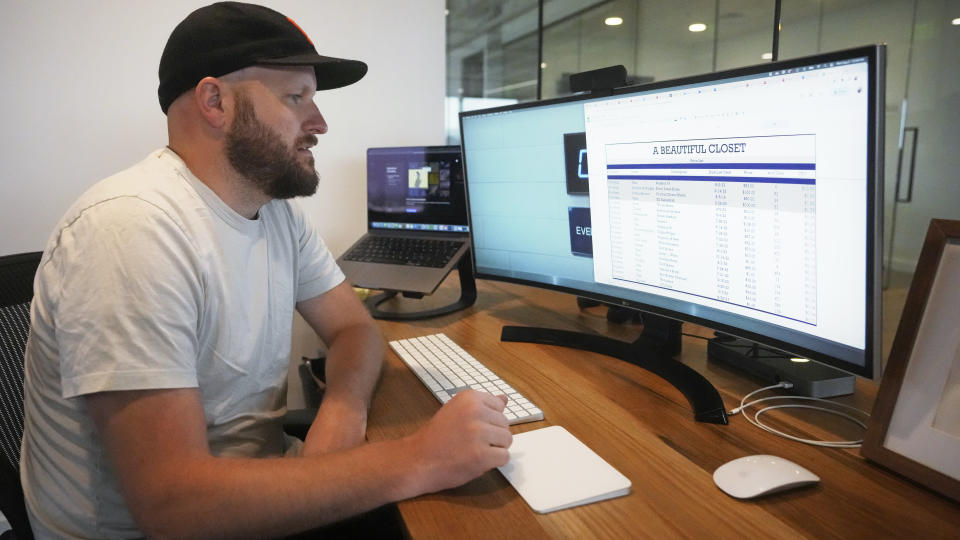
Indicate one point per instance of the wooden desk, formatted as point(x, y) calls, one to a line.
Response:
point(644, 428)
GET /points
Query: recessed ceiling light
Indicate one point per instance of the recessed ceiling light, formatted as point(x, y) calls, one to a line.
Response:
point(766, 56)
point(613, 21)
point(697, 27)
point(955, 22)
point(543, 65)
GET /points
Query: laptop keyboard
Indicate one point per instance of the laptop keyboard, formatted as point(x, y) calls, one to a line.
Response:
point(430, 252)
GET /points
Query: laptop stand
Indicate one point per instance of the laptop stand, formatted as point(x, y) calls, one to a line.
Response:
point(468, 295)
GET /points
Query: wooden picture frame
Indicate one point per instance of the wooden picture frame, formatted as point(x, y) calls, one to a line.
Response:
point(914, 429)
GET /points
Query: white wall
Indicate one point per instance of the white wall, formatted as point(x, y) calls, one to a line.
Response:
point(78, 87)
point(78, 102)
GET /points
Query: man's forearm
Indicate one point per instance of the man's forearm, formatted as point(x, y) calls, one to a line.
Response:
point(354, 345)
point(225, 497)
point(354, 364)
point(156, 441)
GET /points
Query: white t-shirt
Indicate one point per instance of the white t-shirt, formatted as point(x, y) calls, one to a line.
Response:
point(151, 281)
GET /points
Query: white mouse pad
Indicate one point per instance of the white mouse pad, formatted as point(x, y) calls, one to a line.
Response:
point(552, 470)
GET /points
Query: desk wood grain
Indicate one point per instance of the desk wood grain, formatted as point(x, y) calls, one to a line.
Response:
point(645, 428)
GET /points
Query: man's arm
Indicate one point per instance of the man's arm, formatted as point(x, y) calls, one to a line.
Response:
point(354, 361)
point(157, 443)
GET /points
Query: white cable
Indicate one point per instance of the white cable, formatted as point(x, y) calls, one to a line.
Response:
point(756, 417)
point(782, 384)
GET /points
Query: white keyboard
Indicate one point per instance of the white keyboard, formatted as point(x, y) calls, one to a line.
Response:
point(445, 368)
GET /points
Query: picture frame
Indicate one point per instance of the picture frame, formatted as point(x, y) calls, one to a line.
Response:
point(914, 429)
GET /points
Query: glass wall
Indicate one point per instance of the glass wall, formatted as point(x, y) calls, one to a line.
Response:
point(499, 52)
point(922, 103)
point(492, 51)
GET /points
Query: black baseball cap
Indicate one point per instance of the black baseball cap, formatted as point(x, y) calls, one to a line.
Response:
point(224, 37)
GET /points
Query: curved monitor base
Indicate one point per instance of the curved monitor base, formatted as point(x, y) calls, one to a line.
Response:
point(703, 397)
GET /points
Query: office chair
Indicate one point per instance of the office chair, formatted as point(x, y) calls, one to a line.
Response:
point(16, 291)
point(297, 422)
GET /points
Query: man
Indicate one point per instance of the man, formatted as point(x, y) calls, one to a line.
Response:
point(161, 323)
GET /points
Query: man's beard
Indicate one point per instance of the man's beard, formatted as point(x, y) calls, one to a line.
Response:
point(259, 154)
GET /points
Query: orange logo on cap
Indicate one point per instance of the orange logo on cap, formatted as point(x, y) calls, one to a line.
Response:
point(301, 30)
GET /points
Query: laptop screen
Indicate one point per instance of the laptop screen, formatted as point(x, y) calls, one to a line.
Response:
point(417, 188)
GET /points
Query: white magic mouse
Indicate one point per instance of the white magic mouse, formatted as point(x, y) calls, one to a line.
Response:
point(753, 476)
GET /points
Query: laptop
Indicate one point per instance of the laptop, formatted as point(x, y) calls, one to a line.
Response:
point(416, 220)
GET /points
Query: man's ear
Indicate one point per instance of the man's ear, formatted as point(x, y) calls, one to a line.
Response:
point(208, 96)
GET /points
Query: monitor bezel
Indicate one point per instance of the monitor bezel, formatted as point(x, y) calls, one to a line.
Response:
point(876, 61)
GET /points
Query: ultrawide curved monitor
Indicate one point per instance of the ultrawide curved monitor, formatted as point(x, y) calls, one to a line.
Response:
point(746, 200)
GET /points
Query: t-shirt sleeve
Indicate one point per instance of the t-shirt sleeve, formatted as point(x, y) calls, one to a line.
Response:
point(128, 300)
point(318, 271)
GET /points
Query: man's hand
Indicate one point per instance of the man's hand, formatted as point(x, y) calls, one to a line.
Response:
point(466, 438)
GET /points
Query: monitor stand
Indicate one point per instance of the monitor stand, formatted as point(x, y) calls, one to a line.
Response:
point(772, 366)
point(651, 351)
point(468, 295)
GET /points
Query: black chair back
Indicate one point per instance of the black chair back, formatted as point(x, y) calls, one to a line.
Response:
point(16, 292)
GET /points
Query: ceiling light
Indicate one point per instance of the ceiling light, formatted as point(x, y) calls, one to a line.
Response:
point(543, 65)
point(766, 56)
point(800, 360)
point(613, 21)
point(955, 22)
point(697, 27)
